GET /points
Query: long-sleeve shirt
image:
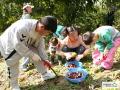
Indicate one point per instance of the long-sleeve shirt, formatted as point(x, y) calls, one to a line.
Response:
point(106, 34)
point(20, 36)
point(25, 16)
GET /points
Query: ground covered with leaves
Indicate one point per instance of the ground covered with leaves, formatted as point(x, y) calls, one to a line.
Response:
point(30, 80)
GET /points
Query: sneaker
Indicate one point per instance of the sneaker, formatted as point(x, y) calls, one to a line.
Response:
point(15, 88)
point(24, 68)
point(48, 75)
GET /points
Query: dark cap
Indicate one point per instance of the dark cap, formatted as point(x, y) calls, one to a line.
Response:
point(50, 23)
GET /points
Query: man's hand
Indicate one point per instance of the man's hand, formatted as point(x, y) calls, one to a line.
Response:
point(47, 64)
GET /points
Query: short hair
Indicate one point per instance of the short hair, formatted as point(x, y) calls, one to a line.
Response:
point(87, 37)
point(50, 23)
point(72, 28)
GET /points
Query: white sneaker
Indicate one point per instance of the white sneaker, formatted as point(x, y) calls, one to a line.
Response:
point(15, 88)
point(24, 68)
point(48, 75)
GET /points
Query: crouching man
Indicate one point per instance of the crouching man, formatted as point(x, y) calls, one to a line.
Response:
point(24, 38)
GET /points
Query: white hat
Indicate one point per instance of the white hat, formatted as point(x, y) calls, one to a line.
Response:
point(28, 5)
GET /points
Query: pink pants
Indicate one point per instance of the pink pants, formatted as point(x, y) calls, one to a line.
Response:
point(106, 62)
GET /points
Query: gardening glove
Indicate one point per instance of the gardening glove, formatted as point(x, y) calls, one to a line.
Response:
point(68, 55)
point(47, 64)
point(36, 57)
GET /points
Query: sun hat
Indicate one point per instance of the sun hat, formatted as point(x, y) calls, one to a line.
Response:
point(27, 5)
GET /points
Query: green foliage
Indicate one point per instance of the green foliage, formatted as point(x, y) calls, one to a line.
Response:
point(87, 14)
point(117, 20)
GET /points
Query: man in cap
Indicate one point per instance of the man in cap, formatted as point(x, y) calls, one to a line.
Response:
point(24, 39)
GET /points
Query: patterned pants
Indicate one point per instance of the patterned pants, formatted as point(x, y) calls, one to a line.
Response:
point(106, 62)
